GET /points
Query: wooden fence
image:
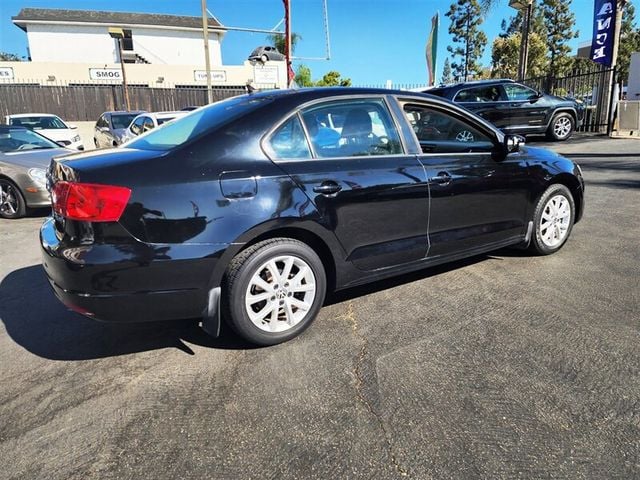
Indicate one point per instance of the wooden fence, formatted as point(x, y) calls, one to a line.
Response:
point(88, 102)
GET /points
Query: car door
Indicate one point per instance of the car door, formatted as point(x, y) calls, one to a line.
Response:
point(527, 109)
point(369, 192)
point(477, 198)
point(488, 101)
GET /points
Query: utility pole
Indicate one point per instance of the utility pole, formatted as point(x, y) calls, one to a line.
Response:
point(118, 34)
point(526, 8)
point(466, 53)
point(287, 39)
point(207, 62)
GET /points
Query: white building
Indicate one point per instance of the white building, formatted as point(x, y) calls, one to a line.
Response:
point(81, 36)
point(73, 47)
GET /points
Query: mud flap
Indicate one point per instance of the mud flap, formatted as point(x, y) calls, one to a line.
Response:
point(211, 321)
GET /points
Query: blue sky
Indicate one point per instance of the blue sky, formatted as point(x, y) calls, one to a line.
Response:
point(372, 41)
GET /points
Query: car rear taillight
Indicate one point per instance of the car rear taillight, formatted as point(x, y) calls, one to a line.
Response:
point(89, 202)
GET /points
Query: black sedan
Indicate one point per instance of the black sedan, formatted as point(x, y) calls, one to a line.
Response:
point(248, 210)
point(516, 108)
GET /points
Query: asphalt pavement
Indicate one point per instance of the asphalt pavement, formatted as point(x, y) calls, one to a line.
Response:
point(499, 366)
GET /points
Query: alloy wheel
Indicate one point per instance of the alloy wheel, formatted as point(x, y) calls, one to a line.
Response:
point(464, 136)
point(555, 221)
point(8, 199)
point(562, 127)
point(280, 293)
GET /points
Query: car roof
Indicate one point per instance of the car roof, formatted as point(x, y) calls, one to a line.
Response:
point(23, 115)
point(474, 83)
point(124, 112)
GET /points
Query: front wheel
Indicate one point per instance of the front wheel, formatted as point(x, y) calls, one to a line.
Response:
point(553, 220)
point(12, 203)
point(562, 127)
point(273, 290)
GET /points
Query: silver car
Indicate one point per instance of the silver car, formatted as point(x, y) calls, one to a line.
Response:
point(24, 158)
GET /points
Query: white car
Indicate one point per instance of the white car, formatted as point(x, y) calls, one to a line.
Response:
point(50, 126)
point(148, 121)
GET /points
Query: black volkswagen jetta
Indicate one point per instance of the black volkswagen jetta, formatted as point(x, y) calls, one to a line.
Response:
point(248, 210)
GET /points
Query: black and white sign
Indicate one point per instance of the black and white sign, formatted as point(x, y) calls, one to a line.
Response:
point(604, 27)
point(6, 73)
point(216, 75)
point(105, 74)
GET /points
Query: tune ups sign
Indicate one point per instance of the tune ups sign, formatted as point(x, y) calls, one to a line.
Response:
point(604, 27)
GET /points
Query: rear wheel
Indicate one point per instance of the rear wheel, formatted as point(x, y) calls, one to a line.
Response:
point(561, 127)
point(553, 220)
point(273, 290)
point(12, 203)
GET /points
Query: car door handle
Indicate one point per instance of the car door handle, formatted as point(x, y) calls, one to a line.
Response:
point(442, 178)
point(327, 188)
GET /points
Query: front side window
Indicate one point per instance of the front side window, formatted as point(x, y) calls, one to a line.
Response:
point(439, 132)
point(352, 128)
point(479, 94)
point(517, 93)
point(289, 141)
point(136, 126)
point(148, 124)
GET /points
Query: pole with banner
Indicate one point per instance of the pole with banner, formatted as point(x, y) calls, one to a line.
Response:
point(604, 32)
point(432, 49)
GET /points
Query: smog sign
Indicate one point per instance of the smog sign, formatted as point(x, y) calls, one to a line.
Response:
point(6, 73)
point(263, 74)
point(216, 75)
point(105, 74)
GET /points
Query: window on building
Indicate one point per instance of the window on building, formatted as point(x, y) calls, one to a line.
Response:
point(127, 41)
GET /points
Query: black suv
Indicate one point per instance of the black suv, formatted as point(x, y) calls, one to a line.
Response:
point(516, 108)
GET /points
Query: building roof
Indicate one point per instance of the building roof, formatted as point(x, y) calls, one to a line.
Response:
point(51, 15)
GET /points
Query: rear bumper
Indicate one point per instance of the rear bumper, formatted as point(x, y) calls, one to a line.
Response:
point(134, 282)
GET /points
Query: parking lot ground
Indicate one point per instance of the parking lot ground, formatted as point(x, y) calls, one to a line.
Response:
point(500, 366)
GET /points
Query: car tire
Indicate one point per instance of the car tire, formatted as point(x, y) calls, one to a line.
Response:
point(264, 58)
point(12, 203)
point(552, 220)
point(273, 290)
point(561, 127)
point(95, 142)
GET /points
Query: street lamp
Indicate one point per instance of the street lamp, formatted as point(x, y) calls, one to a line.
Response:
point(524, 6)
point(118, 34)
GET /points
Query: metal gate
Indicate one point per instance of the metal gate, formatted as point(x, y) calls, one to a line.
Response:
point(593, 86)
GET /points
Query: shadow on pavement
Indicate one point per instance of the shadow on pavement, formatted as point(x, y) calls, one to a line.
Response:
point(36, 320)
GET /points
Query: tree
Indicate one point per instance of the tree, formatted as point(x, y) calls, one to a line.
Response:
point(447, 76)
point(278, 41)
point(303, 76)
point(514, 24)
point(629, 40)
point(505, 56)
point(333, 79)
point(466, 17)
point(10, 57)
point(560, 23)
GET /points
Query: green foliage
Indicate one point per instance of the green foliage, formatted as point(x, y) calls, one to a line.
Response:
point(466, 18)
point(303, 77)
point(278, 41)
point(505, 56)
point(560, 23)
point(629, 40)
point(514, 24)
point(447, 75)
point(330, 79)
point(10, 57)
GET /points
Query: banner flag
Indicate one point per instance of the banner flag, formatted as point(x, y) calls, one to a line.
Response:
point(432, 49)
point(604, 27)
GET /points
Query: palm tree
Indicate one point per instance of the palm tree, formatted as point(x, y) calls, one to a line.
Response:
point(278, 41)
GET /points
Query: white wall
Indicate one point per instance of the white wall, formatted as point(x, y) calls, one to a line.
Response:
point(633, 90)
point(92, 44)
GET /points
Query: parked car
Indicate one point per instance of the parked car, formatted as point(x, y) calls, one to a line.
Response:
point(148, 121)
point(24, 159)
point(111, 128)
point(50, 126)
point(266, 53)
point(516, 108)
point(246, 210)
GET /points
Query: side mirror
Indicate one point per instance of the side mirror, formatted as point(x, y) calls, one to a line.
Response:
point(512, 143)
point(72, 127)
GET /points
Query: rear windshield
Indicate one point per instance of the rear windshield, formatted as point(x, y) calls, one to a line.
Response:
point(197, 123)
point(122, 120)
point(39, 123)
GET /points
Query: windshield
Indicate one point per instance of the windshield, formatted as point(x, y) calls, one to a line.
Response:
point(122, 120)
point(18, 139)
point(197, 123)
point(38, 123)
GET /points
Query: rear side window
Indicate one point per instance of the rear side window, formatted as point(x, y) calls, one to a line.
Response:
point(352, 128)
point(479, 94)
point(518, 92)
point(289, 141)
